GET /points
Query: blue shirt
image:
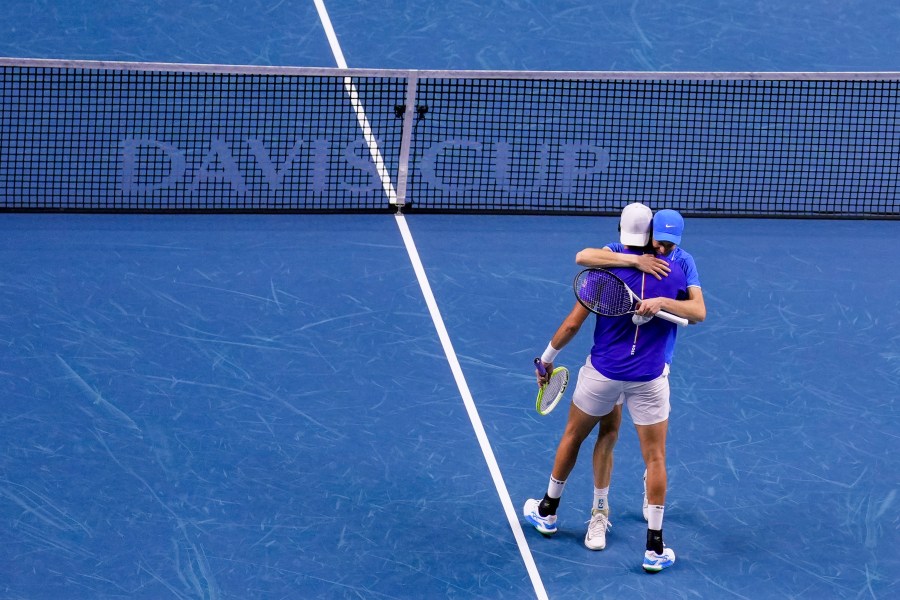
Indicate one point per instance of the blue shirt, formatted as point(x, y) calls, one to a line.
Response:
point(624, 351)
point(692, 276)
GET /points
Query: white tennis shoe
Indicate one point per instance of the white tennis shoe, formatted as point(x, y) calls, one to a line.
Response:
point(546, 525)
point(595, 539)
point(654, 563)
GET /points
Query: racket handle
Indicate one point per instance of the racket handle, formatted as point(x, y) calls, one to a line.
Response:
point(672, 318)
point(539, 365)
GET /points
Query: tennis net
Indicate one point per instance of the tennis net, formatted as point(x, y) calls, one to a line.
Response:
point(94, 136)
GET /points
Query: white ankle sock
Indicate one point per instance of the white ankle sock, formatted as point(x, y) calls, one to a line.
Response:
point(555, 487)
point(655, 516)
point(601, 499)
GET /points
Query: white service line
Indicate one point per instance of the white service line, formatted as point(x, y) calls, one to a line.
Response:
point(331, 35)
point(368, 134)
point(511, 514)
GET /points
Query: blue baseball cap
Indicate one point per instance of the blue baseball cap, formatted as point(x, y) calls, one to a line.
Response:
point(668, 226)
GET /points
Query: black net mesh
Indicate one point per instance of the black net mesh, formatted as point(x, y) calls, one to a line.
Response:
point(106, 139)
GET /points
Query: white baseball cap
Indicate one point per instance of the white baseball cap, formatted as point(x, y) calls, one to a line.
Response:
point(635, 224)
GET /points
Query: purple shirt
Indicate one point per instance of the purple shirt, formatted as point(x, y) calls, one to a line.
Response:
point(687, 264)
point(624, 351)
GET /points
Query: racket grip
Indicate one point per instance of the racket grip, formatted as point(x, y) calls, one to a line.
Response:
point(672, 318)
point(539, 365)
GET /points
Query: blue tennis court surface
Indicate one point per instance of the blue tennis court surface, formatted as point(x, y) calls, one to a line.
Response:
point(261, 406)
point(258, 407)
point(231, 407)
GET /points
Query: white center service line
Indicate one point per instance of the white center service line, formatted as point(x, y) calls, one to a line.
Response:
point(511, 513)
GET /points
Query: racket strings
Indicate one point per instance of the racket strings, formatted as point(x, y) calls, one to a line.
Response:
point(554, 387)
point(604, 293)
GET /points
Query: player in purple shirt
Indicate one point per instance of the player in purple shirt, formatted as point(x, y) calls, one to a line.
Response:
point(653, 264)
point(625, 351)
point(627, 364)
point(668, 227)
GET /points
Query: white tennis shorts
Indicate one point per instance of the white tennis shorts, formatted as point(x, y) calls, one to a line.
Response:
point(647, 401)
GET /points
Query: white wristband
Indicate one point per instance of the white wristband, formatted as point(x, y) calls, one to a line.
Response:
point(549, 354)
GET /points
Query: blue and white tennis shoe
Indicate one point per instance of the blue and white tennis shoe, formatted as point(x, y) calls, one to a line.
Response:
point(546, 525)
point(654, 563)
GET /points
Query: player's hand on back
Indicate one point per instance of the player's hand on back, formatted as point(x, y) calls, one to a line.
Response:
point(657, 267)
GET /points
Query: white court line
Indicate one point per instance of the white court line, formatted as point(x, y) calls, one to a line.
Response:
point(511, 513)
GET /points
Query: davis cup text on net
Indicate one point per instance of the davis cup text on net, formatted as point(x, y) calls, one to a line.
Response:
point(150, 165)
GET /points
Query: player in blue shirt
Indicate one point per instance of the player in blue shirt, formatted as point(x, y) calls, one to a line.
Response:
point(627, 364)
point(668, 227)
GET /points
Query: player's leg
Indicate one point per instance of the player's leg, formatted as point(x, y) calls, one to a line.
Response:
point(645, 506)
point(542, 514)
point(648, 404)
point(653, 449)
point(608, 435)
point(594, 397)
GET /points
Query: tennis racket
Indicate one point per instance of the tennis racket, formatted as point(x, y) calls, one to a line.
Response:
point(551, 392)
point(604, 293)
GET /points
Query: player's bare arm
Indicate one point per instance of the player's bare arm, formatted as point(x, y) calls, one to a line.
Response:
point(564, 334)
point(605, 258)
point(693, 308)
